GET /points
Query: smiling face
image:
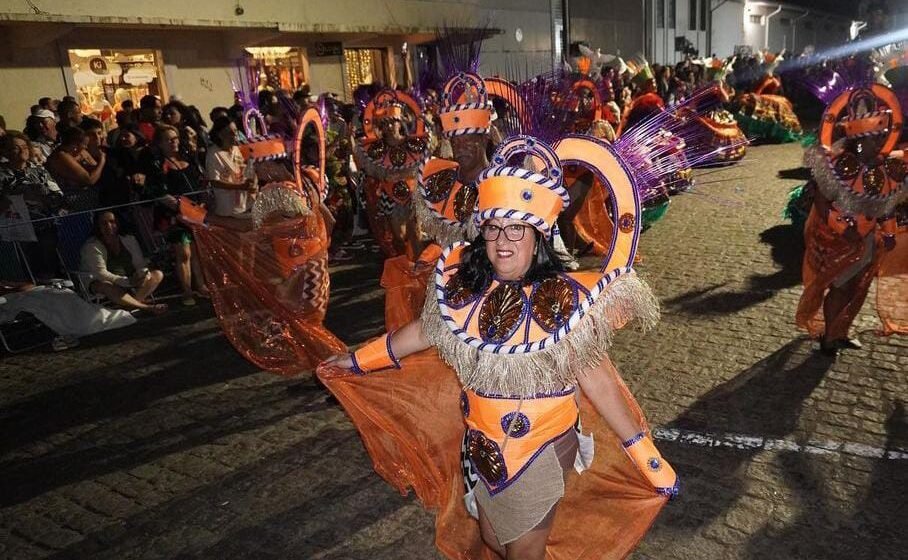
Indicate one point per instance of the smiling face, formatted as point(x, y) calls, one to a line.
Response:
point(510, 259)
point(169, 143)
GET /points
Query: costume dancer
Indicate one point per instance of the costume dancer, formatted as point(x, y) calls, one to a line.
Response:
point(851, 233)
point(395, 144)
point(496, 365)
point(765, 113)
point(270, 285)
point(723, 132)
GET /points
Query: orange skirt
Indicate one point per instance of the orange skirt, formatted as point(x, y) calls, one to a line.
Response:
point(411, 424)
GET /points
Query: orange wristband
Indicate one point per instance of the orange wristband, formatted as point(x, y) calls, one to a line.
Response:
point(642, 451)
point(375, 355)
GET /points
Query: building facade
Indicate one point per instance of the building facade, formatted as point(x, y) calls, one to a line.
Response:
point(105, 52)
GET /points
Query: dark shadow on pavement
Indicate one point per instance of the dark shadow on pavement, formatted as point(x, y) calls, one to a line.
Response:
point(787, 249)
point(764, 400)
point(870, 528)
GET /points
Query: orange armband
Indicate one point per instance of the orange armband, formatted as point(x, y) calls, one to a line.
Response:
point(375, 355)
point(642, 451)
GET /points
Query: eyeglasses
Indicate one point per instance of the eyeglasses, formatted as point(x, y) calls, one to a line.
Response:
point(512, 232)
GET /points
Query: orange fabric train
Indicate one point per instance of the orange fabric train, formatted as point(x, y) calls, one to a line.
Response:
point(592, 222)
point(892, 283)
point(411, 424)
point(271, 305)
point(405, 285)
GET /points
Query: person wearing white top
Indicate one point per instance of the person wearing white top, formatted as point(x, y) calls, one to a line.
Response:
point(225, 171)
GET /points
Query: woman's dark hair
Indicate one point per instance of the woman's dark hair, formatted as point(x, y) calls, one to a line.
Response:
point(476, 268)
point(89, 124)
point(133, 129)
point(33, 127)
point(193, 118)
point(71, 136)
point(179, 106)
point(217, 126)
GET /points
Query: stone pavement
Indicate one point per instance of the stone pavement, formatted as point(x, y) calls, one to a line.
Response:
point(160, 441)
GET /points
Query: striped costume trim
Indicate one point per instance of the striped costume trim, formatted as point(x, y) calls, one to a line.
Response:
point(537, 346)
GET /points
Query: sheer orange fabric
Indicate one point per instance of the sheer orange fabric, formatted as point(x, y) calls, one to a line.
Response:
point(405, 285)
point(892, 287)
point(828, 254)
point(592, 222)
point(271, 305)
point(411, 425)
point(379, 225)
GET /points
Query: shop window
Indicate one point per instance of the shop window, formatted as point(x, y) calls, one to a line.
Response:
point(278, 67)
point(365, 66)
point(105, 78)
point(757, 19)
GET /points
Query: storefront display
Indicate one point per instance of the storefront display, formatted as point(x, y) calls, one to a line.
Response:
point(104, 78)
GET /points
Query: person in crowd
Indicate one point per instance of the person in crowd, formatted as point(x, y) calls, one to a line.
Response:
point(48, 104)
point(41, 129)
point(70, 114)
point(169, 174)
point(217, 113)
point(20, 176)
point(2, 126)
point(117, 268)
point(236, 116)
point(150, 111)
point(195, 136)
point(172, 114)
point(122, 176)
point(75, 169)
point(33, 109)
point(226, 173)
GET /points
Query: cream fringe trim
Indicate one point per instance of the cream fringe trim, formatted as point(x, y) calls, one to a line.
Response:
point(432, 226)
point(848, 201)
point(560, 364)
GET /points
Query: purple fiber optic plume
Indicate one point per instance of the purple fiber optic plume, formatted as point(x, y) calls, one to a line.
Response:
point(362, 95)
point(669, 141)
point(829, 80)
point(322, 107)
point(459, 48)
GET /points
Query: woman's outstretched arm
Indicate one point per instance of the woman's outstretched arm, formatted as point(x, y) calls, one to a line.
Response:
point(385, 351)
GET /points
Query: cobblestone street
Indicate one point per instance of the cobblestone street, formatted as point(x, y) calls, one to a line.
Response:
point(160, 441)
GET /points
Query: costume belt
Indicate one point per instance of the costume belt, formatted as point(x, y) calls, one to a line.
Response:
point(505, 434)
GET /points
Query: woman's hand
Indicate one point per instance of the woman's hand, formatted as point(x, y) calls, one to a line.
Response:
point(337, 366)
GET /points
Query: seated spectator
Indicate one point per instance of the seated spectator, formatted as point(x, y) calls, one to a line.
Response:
point(169, 175)
point(226, 173)
point(117, 269)
point(75, 169)
point(41, 129)
point(19, 176)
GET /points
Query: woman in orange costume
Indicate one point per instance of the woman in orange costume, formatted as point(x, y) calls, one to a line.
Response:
point(393, 148)
point(269, 286)
point(586, 226)
point(852, 226)
point(526, 347)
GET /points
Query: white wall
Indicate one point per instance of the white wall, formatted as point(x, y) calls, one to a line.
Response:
point(615, 26)
point(727, 27)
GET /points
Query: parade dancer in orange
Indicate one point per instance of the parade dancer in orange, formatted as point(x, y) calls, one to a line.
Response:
point(852, 226)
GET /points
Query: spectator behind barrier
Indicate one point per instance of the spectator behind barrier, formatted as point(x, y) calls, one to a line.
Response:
point(169, 175)
point(19, 176)
point(226, 173)
point(75, 169)
point(117, 268)
point(149, 116)
point(41, 129)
